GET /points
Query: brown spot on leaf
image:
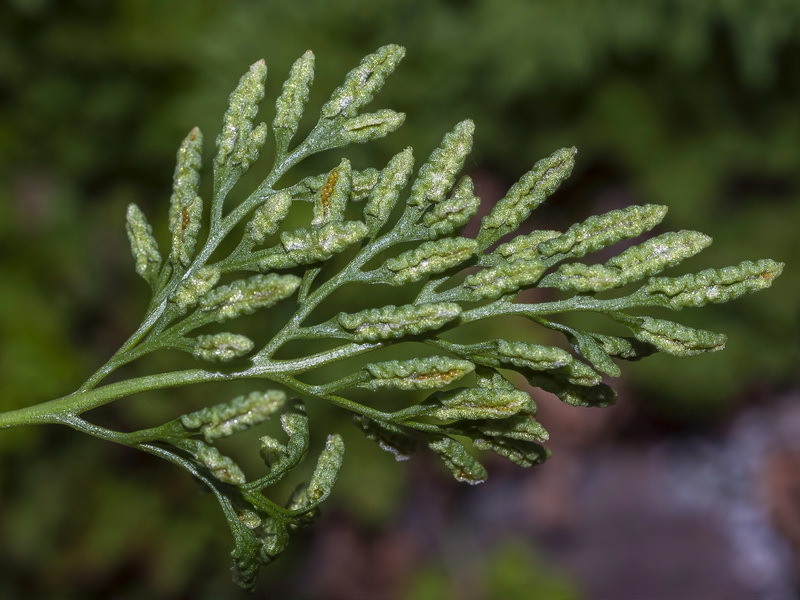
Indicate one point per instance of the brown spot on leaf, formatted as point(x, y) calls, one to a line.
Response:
point(327, 190)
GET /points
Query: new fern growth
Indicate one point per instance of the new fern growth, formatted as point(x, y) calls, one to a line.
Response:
point(398, 228)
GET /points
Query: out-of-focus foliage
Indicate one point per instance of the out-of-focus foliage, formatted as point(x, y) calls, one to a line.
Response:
point(510, 571)
point(691, 104)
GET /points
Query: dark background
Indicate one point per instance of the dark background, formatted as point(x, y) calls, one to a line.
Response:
point(688, 488)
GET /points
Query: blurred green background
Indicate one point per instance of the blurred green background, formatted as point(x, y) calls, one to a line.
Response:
point(690, 103)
